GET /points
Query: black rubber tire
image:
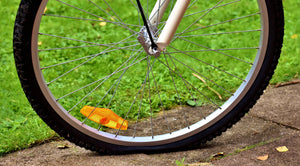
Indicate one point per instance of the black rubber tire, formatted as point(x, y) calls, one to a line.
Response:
point(22, 53)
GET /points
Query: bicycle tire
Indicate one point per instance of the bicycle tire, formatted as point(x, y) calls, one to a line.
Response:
point(35, 86)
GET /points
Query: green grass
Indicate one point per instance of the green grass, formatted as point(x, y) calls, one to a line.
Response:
point(20, 127)
point(289, 61)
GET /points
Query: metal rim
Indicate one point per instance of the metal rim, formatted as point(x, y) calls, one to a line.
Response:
point(160, 139)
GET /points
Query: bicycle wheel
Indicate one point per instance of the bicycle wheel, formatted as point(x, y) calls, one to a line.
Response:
point(75, 54)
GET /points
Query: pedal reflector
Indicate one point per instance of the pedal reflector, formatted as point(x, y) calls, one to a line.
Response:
point(105, 117)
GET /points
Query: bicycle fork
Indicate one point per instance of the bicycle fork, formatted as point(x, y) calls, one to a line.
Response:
point(149, 32)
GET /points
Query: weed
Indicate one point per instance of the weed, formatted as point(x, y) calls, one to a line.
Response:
point(180, 163)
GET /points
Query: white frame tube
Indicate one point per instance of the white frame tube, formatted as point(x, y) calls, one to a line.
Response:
point(172, 22)
point(159, 9)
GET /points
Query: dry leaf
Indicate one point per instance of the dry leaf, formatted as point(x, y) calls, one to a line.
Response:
point(63, 146)
point(200, 164)
point(45, 9)
point(263, 158)
point(200, 78)
point(282, 149)
point(295, 36)
point(217, 156)
point(199, 25)
point(102, 23)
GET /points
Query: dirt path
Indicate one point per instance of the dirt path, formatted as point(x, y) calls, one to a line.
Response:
point(274, 121)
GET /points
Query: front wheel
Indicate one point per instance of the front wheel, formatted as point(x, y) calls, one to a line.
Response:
point(74, 55)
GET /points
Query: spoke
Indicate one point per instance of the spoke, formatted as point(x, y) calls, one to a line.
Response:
point(140, 105)
point(106, 77)
point(136, 96)
point(139, 14)
point(214, 50)
point(107, 92)
point(171, 7)
point(151, 113)
point(157, 18)
point(201, 75)
point(246, 48)
point(122, 76)
point(100, 8)
point(120, 20)
point(191, 4)
point(202, 16)
point(156, 12)
point(222, 33)
point(180, 75)
point(227, 21)
point(87, 95)
point(190, 84)
point(205, 63)
point(63, 48)
point(208, 9)
point(106, 45)
point(104, 52)
point(118, 82)
point(118, 16)
point(147, 14)
point(135, 6)
point(94, 56)
point(88, 19)
point(178, 96)
point(91, 14)
point(78, 59)
point(118, 48)
point(157, 91)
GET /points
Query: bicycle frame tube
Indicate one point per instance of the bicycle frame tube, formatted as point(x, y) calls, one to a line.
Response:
point(172, 23)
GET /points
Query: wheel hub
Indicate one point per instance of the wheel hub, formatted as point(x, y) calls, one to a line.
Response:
point(145, 41)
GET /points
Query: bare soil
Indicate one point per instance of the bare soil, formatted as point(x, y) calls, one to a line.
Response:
point(274, 121)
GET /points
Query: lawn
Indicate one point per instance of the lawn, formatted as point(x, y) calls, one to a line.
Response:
point(20, 127)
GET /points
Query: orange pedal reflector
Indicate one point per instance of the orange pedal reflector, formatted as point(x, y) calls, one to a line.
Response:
point(105, 117)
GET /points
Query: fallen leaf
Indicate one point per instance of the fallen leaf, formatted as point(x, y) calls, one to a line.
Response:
point(200, 78)
point(45, 9)
point(200, 164)
point(263, 158)
point(282, 149)
point(102, 23)
point(63, 146)
point(295, 36)
point(217, 156)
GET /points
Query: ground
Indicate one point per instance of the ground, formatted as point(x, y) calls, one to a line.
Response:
point(274, 121)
